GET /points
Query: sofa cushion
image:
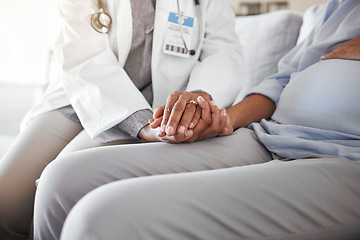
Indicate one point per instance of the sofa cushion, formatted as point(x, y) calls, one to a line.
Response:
point(265, 39)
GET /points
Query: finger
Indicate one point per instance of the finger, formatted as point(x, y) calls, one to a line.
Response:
point(187, 116)
point(205, 109)
point(161, 134)
point(196, 118)
point(228, 129)
point(158, 112)
point(223, 132)
point(177, 113)
point(168, 108)
point(177, 138)
point(155, 123)
point(338, 53)
point(215, 126)
point(205, 120)
point(215, 115)
point(222, 120)
point(327, 56)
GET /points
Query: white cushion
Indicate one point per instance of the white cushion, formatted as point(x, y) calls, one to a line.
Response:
point(265, 39)
point(5, 142)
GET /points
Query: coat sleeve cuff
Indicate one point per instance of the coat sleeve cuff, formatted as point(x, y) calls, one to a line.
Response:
point(135, 122)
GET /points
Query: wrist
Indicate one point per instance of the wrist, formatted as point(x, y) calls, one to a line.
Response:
point(232, 116)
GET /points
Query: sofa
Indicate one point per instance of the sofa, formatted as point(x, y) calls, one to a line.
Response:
point(266, 38)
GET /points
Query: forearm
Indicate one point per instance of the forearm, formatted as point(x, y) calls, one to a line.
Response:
point(252, 109)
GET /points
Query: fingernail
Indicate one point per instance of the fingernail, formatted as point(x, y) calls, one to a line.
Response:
point(223, 112)
point(191, 125)
point(182, 129)
point(170, 130)
point(201, 99)
point(322, 58)
point(212, 102)
point(188, 133)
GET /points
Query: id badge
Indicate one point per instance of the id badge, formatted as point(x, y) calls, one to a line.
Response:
point(174, 44)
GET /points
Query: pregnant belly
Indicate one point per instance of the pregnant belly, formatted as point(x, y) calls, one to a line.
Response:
point(325, 96)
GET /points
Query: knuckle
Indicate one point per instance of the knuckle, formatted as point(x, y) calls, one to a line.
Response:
point(173, 95)
point(177, 108)
point(172, 123)
point(207, 121)
point(187, 93)
point(190, 107)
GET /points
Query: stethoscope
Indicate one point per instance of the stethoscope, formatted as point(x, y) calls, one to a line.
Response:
point(101, 22)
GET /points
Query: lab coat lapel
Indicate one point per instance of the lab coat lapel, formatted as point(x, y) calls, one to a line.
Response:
point(123, 29)
point(161, 15)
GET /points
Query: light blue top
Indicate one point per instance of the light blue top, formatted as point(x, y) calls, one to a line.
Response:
point(318, 107)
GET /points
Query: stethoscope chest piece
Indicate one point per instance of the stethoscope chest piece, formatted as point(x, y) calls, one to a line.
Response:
point(101, 21)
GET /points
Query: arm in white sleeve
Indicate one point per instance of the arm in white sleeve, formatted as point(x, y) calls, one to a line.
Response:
point(93, 77)
point(219, 69)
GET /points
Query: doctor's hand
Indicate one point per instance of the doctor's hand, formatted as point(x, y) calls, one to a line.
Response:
point(155, 135)
point(180, 113)
point(213, 122)
point(349, 50)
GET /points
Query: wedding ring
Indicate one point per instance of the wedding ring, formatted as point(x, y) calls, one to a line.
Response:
point(193, 102)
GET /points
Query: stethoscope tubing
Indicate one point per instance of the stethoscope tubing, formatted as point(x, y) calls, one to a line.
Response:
point(198, 10)
point(101, 28)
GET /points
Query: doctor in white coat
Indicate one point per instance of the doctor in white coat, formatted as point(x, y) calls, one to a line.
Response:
point(95, 101)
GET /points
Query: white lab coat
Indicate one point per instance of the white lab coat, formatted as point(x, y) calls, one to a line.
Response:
point(92, 78)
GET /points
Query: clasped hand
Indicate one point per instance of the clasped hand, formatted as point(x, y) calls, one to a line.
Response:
point(187, 117)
